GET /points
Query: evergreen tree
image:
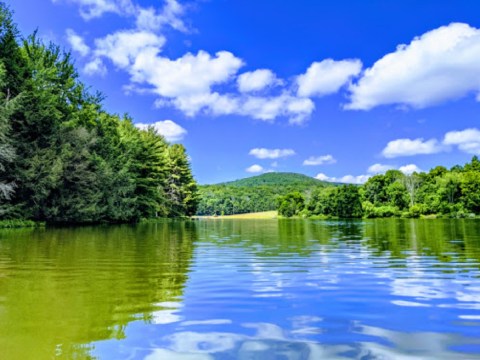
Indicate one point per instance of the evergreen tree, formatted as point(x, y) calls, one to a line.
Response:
point(181, 187)
point(7, 152)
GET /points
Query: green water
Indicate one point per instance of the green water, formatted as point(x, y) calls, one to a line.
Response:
point(242, 289)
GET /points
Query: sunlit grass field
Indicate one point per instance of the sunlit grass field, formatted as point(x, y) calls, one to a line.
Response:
point(257, 215)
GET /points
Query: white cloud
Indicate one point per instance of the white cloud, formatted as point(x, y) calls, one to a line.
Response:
point(350, 179)
point(438, 66)
point(409, 169)
point(95, 67)
point(170, 130)
point(124, 47)
point(269, 108)
point(262, 153)
point(190, 83)
point(467, 140)
point(77, 43)
point(186, 76)
point(256, 80)
point(379, 168)
point(409, 147)
point(254, 169)
point(323, 177)
point(320, 160)
point(327, 77)
point(151, 19)
point(90, 9)
point(347, 179)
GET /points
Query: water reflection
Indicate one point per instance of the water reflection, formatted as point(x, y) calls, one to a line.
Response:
point(61, 289)
point(224, 289)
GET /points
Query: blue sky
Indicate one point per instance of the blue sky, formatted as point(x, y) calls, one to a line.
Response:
point(339, 89)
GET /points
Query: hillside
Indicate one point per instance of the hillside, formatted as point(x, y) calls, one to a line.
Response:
point(253, 194)
point(277, 179)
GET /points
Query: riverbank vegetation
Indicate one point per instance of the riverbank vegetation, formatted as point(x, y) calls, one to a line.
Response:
point(441, 192)
point(64, 158)
point(453, 193)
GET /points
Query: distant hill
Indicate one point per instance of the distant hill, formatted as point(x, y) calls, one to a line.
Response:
point(278, 179)
point(253, 194)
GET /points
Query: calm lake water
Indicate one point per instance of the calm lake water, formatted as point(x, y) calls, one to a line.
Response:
point(241, 289)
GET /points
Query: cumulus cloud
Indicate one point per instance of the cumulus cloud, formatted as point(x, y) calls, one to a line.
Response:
point(90, 9)
point(170, 130)
point(372, 170)
point(186, 76)
point(256, 80)
point(77, 43)
point(254, 169)
point(327, 77)
point(95, 67)
point(467, 140)
point(409, 169)
point(435, 67)
point(262, 153)
point(379, 168)
point(409, 147)
point(319, 160)
point(269, 108)
point(124, 47)
point(195, 83)
point(347, 179)
point(154, 20)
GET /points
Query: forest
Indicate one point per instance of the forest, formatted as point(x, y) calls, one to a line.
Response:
point(441, 192)
point(453, 193)
point(64, 158)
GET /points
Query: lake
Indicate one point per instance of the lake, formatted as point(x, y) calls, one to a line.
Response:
point(242, 289)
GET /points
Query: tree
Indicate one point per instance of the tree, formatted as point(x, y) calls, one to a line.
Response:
point(291, 204)
point(10, 55)
point(182, 197)
point(74, 161)
point(412, 183)
point(7, 152)
point(348, 202)
point(470, 187)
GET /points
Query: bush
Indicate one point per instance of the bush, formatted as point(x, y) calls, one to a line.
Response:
point(371, 211)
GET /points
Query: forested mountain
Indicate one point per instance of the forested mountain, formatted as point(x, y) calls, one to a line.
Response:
point(63, 158)
point(253, 194)
point(277, 179)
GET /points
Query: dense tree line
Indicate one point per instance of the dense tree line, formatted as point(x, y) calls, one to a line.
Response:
point(333, 201)
point(63, 158)
point(440, 192)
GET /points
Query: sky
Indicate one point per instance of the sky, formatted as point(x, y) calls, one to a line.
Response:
point(339, 89)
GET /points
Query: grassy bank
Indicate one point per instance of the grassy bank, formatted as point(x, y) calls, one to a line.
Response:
point(257, 215)
point(13, 224)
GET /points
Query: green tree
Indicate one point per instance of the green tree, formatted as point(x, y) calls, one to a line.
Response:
point(348, 202)
point(182, 196)
point(7, 152)
point(291, 204)
point(470, 187)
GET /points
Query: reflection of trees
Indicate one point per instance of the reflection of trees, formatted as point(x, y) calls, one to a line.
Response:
point(266, 238)
point(262, 238)
point(441, 238)
point(61, 288)
point(398, 237)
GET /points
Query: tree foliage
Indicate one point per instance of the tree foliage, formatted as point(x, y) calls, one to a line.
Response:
point(440, 192)
point(63, 158)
